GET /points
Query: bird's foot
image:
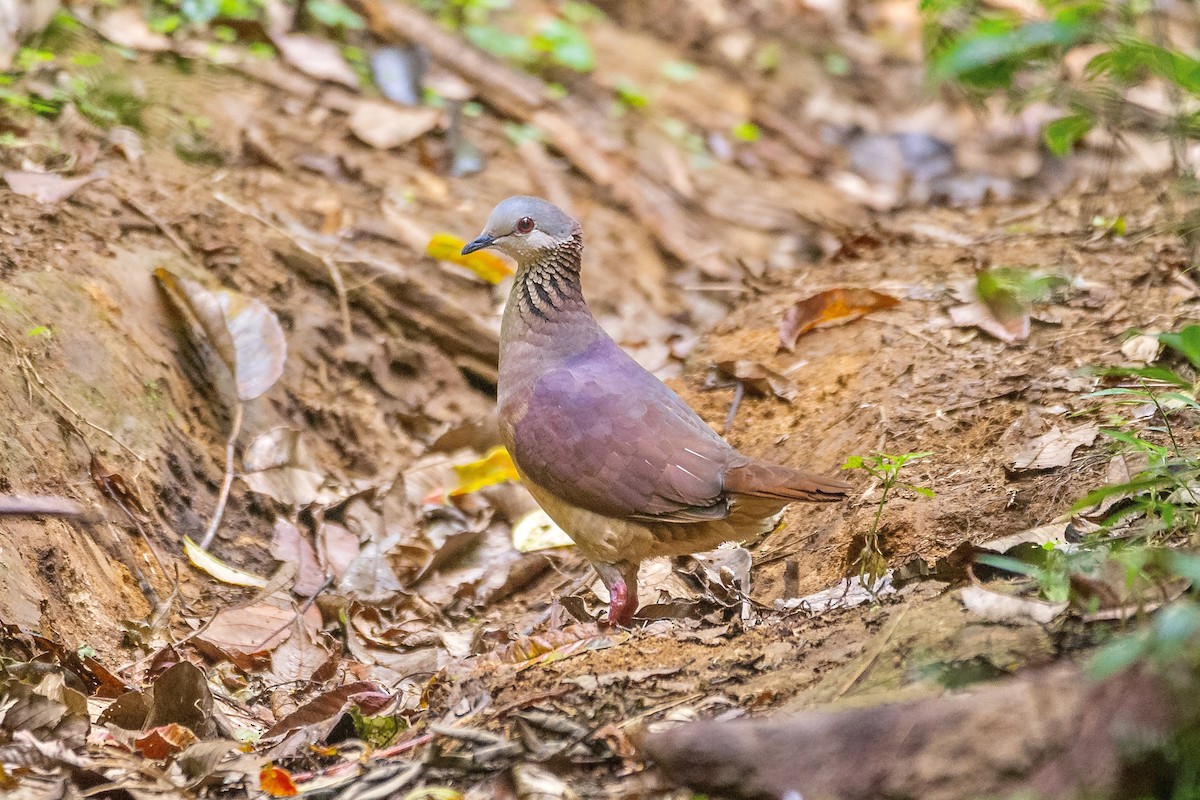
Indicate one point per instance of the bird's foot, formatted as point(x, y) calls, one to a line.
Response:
point(620, 609)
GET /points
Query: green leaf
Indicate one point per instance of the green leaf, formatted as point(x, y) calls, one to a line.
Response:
point(334, 14)
point(679, 71)
point(1117, 656)
point(1150, 373)
point(1008, 564)
point(853, 462)
point(566, 44)
point(1061, 134)
point(1186, 342)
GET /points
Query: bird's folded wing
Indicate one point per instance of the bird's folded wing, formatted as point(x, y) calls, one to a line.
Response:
point(622, 446)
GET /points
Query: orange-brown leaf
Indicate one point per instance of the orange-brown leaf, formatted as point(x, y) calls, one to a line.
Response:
point(830, 307)
point(165, 740)
point(277, 781)
point(488, 266)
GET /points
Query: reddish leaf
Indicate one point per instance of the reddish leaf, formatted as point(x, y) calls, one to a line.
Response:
point(165, 740)
point(827, 308)
point(277, 782)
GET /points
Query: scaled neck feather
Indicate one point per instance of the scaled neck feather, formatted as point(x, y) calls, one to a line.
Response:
point(548, 286)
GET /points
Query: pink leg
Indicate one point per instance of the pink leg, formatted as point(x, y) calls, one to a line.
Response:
point(622, 592)
point(620, 610)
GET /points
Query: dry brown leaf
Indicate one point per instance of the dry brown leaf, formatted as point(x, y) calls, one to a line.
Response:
point(244, 332)
point(828, 308)
point(47, 188)
point(325, 708)
point(758, 379)
point(319, 58)
point(288, 544)
point(258, 628)
point(976, 314)
point(164, 741)
point(278, 465)
point(299, 657)
point(1055, 447)
point(385, 125)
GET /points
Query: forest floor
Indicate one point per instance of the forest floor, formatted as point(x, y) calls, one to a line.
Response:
point(250, 179)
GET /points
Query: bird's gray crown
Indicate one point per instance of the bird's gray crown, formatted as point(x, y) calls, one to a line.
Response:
point(525, 227)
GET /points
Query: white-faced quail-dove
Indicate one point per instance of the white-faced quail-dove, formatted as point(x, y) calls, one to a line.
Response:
point(617, 459)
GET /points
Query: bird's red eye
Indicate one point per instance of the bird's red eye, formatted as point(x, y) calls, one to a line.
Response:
point(524, 225)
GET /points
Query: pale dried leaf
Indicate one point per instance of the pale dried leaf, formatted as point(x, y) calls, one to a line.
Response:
point(127, 27)
point(536, 531)
point(1055, 447)
point(319, 58)
point(385, 125)
point(1142, 349)
point(47, 188)
point(258, 628)
point(244, 332)
point(288, 544)
point(977, 315)
point(278, 465)
point(998, 607)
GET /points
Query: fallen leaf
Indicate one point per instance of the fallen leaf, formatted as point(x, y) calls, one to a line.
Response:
point(47, 188)
point(978, 315)
point(164, 741)
point(828, 308)
point(1007, 608)
point(338, 548)
point(207, 562)
point(287, 544)
point(318, 58)
point(299, 657)
point(495, 467)
point(758, 379)
point(536, 531)
point(1142, 349)
point(127, 27)
point(257, 628)
point(489, 266)
point(180, 695)
point(278, 465)
point(277, 781)
point(324, 708)
point(1055, 447)
point(385, 125)
point(244, 332)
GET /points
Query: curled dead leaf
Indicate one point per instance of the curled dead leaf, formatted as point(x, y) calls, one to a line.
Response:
point(244, 332)
point(830, 307)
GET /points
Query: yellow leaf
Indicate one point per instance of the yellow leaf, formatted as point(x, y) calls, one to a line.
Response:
point(495, 467)
point(206, 561)
point(488, 266)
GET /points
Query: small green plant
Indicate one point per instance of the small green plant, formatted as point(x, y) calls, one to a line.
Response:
point(553, 40)
point(984, 49)
point(377, 731)
point(886, 469)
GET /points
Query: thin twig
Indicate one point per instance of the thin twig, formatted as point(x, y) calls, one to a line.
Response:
point(27, 367)
point(41, 506)
point(162, 226)
point(739, 391)
point(227, 482)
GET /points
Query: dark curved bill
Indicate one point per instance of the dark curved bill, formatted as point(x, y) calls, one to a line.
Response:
point(483, 241)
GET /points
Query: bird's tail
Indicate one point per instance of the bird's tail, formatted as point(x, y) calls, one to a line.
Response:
point(769, 480)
